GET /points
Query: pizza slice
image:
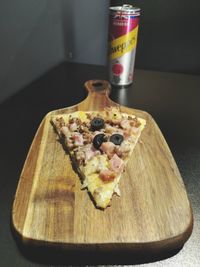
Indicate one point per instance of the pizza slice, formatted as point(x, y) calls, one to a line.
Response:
point(100, 144)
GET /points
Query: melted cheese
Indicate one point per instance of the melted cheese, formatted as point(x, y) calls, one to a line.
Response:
point(82, 116)
point(101, 191)
point(96, 164)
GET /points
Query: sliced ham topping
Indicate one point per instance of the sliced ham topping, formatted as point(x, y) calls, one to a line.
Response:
point(89, 152)
point(107, 175)
point(125, 124)
point(108, 148)
point(73, 127)
point(78, 139)
point(116, 164)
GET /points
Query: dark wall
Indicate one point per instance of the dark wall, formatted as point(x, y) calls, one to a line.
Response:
point(169, 35)
point(30, 42)
point(36, 35)
point(85, 30)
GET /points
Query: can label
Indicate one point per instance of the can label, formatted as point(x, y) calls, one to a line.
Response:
point(123, 33)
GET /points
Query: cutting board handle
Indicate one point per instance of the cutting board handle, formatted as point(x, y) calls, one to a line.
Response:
point(98, 96)
point(98, 86)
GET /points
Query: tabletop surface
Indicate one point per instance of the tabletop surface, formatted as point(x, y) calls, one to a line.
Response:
point(172, 100)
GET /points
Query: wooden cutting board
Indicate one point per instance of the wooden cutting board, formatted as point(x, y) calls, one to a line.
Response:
point(153, 211)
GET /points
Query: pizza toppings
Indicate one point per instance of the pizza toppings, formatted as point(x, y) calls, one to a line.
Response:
point(125, 124)
point(97, 124)
point(124, 150)
point(90, 152)
point(108, 148)
point(78, 139)
point(95, 135)
point(98, 140)
point(73, 127)
point(85, 153)
point(116, 139)
point(116, 164)
point(107, 175)
point(100, 143)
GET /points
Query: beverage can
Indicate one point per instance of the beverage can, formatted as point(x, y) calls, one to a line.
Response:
point(123, 31)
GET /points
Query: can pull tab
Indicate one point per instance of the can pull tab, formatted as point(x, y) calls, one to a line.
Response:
point(125, 6)
point(130, 9)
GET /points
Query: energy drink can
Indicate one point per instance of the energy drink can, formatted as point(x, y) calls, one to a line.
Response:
point(123, 30)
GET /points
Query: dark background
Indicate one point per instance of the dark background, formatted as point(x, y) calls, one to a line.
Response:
point(169, 35)
point(37, 35)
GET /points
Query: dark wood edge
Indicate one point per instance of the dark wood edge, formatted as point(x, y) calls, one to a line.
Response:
point(14, 223)
point(175, 242)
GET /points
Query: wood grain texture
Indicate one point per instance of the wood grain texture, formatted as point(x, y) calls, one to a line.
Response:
point(153, 212)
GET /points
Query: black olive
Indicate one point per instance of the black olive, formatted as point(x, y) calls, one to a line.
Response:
point(117, 139)
point(97, 124)
point(98, 140)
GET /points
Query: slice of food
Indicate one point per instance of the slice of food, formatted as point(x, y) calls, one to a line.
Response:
point(100, 143)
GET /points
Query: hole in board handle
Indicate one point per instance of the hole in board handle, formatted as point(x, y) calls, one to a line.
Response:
point(97, 84)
